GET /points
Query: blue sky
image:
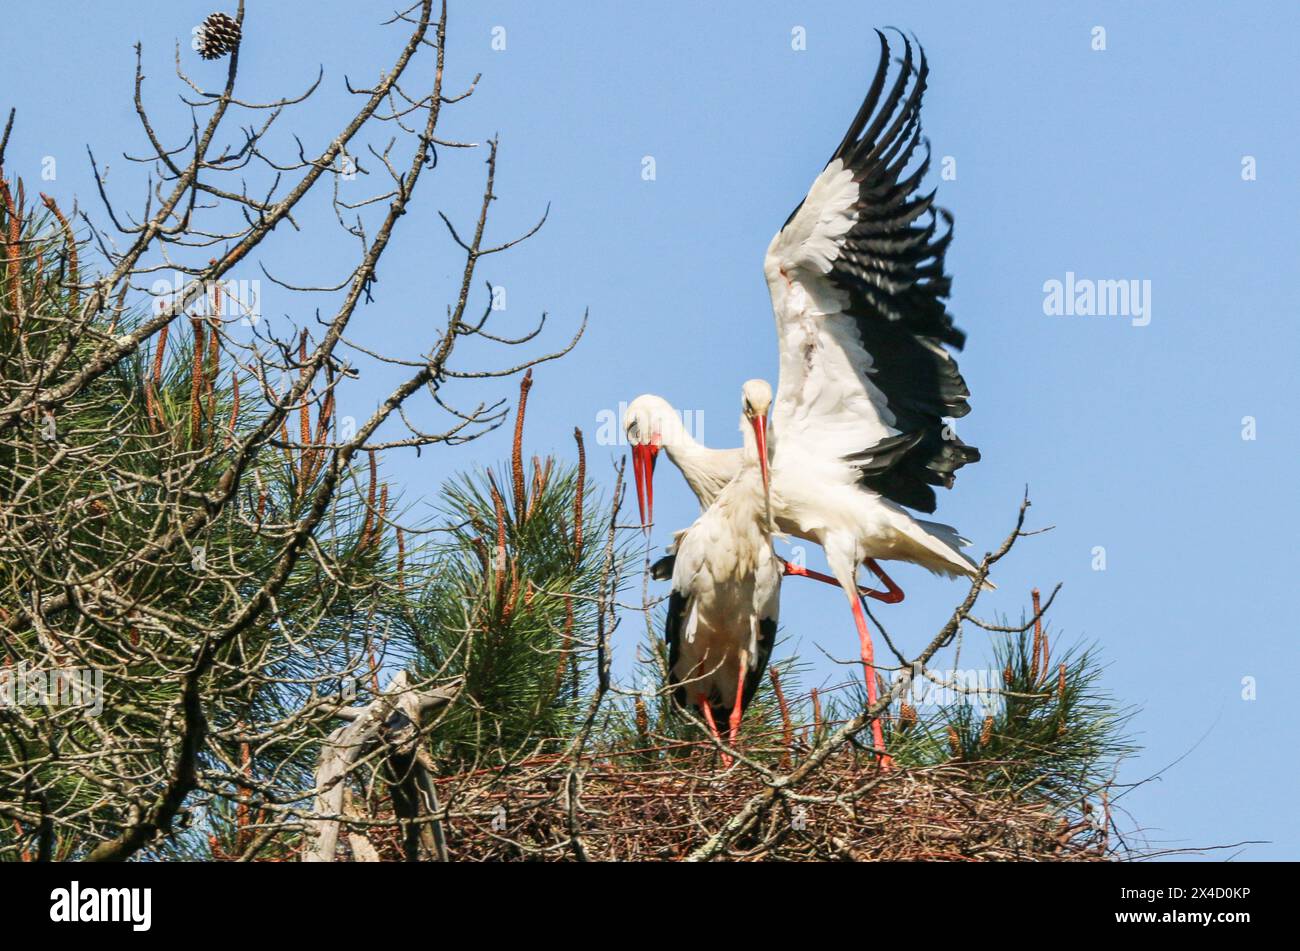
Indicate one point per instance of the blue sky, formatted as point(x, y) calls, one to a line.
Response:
point(1124, 163)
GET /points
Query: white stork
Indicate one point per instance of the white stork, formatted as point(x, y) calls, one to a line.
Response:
point(857, 281)
point(722, 613)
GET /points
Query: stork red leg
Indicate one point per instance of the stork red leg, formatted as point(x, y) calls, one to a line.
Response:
point(892, 593)
point(892, 596)
point(733, 726)
point(790, 568)
point(801, 572)
point(703, 704)
point(869, 669)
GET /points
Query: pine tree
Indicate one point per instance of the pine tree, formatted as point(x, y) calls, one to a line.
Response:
point(167, 414)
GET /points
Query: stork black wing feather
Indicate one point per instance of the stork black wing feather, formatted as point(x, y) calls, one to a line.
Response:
point(673, 635)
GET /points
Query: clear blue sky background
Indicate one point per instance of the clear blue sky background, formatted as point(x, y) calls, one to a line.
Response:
point(1117, 164)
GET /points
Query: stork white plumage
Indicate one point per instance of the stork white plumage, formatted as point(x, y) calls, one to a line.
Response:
point(722, 612)
point(856, 277)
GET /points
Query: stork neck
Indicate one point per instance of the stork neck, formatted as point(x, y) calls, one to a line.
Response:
point(691, 459)
point(673, 435)
point(707, 471)
point(687, 454)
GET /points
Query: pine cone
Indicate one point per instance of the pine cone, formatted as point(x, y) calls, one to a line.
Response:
point(642, 718)
point(906, 717)
point(218, 36)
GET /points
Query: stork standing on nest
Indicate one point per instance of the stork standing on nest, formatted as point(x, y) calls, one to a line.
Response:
point(859, 431)
point(723, 609)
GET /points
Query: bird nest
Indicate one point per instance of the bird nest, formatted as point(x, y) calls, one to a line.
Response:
point(626, 809)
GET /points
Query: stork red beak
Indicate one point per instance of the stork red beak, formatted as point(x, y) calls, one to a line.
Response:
point(760, 437)
point(643, 465)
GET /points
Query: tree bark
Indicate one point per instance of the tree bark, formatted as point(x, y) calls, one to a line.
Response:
point(390, 720)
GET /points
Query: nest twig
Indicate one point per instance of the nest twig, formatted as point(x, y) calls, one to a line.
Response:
point(631, 810)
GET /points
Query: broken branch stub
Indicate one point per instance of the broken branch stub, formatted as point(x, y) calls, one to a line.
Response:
point(391, 721)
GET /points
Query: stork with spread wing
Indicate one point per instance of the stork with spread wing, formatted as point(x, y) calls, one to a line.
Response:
point(860, 430)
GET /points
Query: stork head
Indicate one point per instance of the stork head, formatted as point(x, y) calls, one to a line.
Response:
point(755, 401)
point(650, 421)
